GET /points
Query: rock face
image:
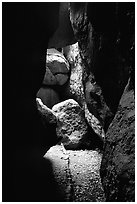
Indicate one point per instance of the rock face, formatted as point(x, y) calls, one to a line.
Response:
point(118, 164)
point(71, 125)
point(75, 87)
point(84, 33)
point(76, 174)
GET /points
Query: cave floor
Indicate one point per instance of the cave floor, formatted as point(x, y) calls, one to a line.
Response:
point(76, 173)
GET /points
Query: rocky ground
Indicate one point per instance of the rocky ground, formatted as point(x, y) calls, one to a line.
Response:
point(77, 174)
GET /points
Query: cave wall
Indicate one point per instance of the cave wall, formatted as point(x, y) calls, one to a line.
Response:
point(118, 163)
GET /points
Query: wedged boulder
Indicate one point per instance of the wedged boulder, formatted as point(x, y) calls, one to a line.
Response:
point(48, 96)
point(71, 125)
point(57, 68)
point(118, 163)
point(47, 114)
point(56, 62)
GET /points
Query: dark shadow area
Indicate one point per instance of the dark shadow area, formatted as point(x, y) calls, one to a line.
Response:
point(26, 29)
point(113, 25)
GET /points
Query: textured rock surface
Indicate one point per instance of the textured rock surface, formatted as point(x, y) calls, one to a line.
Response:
point(48, 96)
point(76, 174)
point(118, 164)
point(56, 62)
point(71, 125)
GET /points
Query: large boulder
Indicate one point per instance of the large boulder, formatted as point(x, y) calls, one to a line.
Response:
point(71, 125)
point(118, 164)
point(56, 62)
point(57, 68)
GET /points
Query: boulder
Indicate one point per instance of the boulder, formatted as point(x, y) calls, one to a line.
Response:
point(71, 125)
point(56, 62)
point(118, 163)
point(48, 96)
point(57, 68)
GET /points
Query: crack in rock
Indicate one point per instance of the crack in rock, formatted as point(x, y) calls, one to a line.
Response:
point(69, 188)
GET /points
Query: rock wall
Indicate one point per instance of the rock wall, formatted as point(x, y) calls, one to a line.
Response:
point(118, 164)
point(85, 35)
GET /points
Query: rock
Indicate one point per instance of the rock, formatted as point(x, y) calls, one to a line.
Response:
point(71, 125)
point(84, 33)
point(96, 103)
point(56, 62)
point(76, 174)
point(57, 68)
point(48, 96)
point(118, 164)
point(47, 114)
point(75, 88)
